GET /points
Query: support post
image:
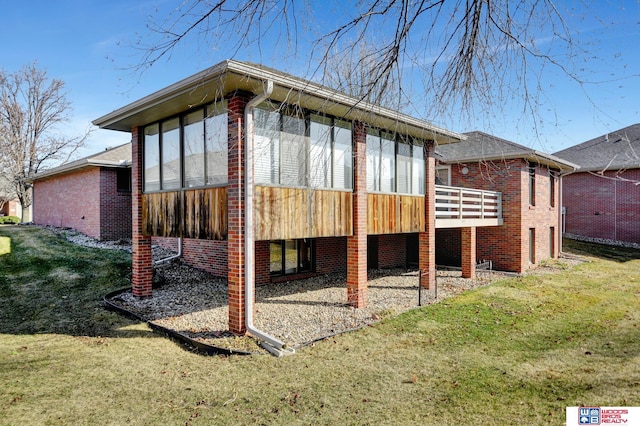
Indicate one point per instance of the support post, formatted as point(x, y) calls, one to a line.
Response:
point(469, 252)
point(427, 239)
point(141, 259)
point(357, 243)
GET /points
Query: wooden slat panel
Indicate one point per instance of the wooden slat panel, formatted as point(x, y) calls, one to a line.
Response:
point(288, 213)
point(198, 213)
point(206, 213)
point(162, 214)
point(392, 213)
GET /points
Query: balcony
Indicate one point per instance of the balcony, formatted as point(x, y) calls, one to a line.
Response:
point(461, 207)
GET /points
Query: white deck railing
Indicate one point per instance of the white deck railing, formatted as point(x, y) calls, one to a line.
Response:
point(469, 205)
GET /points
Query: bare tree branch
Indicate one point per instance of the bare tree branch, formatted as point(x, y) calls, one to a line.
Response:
point(32, 107)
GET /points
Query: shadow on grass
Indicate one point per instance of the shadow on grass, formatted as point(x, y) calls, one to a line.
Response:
point(603, 251)
point(50, 286)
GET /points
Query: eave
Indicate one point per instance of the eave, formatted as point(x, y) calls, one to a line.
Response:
point(228, 76)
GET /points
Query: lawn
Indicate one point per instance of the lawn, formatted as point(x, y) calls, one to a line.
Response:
point(515, 352)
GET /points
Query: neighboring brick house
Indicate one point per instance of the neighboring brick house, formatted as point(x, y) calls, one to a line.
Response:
point(602, 200)
point(529, 183)
point(11, 208)
point(331, 184)
point(91, 195)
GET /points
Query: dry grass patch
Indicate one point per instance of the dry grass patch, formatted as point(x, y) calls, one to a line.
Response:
point(515, 352)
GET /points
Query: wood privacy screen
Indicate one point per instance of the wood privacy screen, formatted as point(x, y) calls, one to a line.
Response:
point(289, 213)
point(395, 214)
point(280, 213)
point(197, 213)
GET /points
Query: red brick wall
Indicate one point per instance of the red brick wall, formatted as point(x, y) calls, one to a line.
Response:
point(392, 251)
point(331, 255)
point(603, 206)
point(208, 255)
point(10, 208)
point(507, 246)
point(262, 262)
point(86, 200)
point(448, 246)
point(115, 207)
point(69, 200)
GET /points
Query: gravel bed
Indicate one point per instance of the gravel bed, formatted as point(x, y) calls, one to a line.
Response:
point(194, 303)
point(298, 313)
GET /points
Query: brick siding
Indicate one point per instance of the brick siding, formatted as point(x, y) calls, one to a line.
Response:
point(507, 246)
point(86, 200)
point(71, 200)
point(115, 207)
point(603, 206)
point(392, 251)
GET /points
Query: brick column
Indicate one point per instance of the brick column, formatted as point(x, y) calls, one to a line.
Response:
point(357, 243)
point(235, 213)
point(468, 247)
point(142, 262)
point(427, 239)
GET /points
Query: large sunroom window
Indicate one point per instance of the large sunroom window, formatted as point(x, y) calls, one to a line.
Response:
point(187, 151)
point(295, 148)
point(394, 164)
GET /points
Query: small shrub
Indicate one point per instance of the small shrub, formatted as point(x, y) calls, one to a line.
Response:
point(9, 220)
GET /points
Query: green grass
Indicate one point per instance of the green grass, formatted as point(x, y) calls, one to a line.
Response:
point(515, 352)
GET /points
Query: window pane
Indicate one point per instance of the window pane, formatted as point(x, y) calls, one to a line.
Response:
point(404, 167)
point(387, 164)
point(293, 153)
point(217, 144)
point(418, 177)
point(304, 256)
point(151, 158)
point(266, 146)
point(171, 154)
point(290, 257)
point(320, 152)
point(342, 157)
point(194, 149)
point(275, 257)
point(373, 162)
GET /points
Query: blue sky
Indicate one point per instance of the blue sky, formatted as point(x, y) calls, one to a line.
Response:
point(89, 45)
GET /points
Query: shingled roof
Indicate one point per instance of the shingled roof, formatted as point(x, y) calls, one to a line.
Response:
point(119, 156)
point(615, 150)
point(483, 146)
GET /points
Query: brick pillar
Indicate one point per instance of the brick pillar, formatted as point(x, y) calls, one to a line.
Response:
point(142, 262)
point(357, 243)
point(427, 239)
point(235, 214)
point(468, 252)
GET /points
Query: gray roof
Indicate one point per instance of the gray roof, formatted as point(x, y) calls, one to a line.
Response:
point(119, 156)
point(614, 150)
point(483, 146)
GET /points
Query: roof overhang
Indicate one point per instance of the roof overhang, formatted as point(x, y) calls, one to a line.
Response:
point(228, 76)
point(529, 155)
point(78, 165)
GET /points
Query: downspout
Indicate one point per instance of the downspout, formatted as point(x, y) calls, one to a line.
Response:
point(166, 259)
point(270, 343)
point(562, 212)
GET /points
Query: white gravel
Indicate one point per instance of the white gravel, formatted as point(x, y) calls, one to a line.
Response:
point(194, 303)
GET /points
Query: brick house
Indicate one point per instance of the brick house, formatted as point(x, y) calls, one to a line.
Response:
point(11, 208)
point(529, 183)
point(331, 183)
point(91, 195)
point(602, 199)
